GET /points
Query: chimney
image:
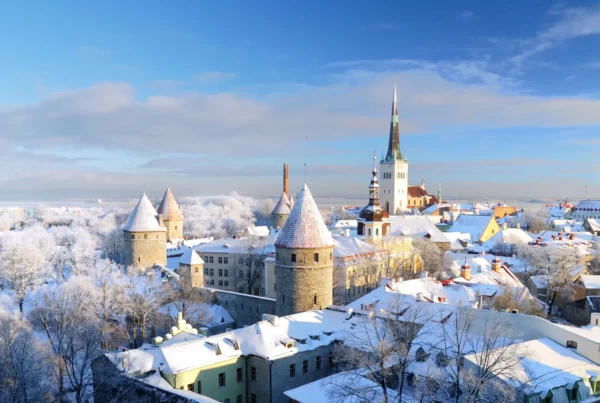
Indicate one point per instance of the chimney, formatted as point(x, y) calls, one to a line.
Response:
point(496, 264)
point(518, 225)
point(286, 188)
point(505, 225)
point(465, 271)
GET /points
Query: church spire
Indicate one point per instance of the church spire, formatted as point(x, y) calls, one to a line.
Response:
point(439, 196)
point(374, 185)
point(394, 141)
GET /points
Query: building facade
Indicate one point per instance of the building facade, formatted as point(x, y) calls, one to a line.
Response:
point(394, 169)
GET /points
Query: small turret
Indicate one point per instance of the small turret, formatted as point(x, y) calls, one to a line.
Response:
point(465, 271)
point(496, 265)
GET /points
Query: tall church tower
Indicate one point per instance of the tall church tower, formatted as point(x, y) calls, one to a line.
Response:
point(304, 259)
point(394, 169)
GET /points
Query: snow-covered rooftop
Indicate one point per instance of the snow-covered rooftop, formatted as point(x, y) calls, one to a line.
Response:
point(304, 227)
point(190, 256)
point(143, 218)
point(169, 208)
point(320, 391)
point(416, 225)
point(547, 365)
point(283, 206)
point(348, 246)
point(591, 282)
point(510, 236)
point(474, 225)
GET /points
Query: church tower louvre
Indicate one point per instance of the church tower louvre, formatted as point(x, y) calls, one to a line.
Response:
point(373, 220)
point(144, 236)
point(172, 215)
point(394, 168)
point(304, 259)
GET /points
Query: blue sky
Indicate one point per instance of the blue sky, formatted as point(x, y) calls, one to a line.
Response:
point(496, 99)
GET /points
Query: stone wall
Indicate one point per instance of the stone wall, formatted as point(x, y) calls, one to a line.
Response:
point(174, 229)
point(145, 249)
point(303, 285)
point(245, 309)
point(279, 220)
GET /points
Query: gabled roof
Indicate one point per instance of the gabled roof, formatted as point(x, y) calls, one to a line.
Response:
point(304, 227)
point(169, 208)
point(471, 224)
point(283, 206)
point(143, 218)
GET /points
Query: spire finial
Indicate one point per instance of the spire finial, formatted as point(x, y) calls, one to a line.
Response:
point(374, 161)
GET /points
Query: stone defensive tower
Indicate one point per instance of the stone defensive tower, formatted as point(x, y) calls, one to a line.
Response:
point(192, 265)
point(304, 259)
point(284, 206)
point(145, 236)
point(172, 216)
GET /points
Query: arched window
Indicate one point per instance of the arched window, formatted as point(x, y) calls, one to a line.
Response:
point(369, 231)
point(376, 231)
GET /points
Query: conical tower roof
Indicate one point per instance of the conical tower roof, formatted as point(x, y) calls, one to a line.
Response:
point(143, 218)
point(169, 208)
point(304, 227)
point(283, 206)
point(190, 257)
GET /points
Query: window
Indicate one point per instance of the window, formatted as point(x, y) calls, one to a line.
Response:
point(222, 380)
point(145, 236)
point(212, 272)
point(190, 387)
point(256, 291)
point(293, 371)
point(220, 283)
point(139, 259)
point(318, 363)
point(196, 270)
point(211, 260)
point(316, 257)
point(226, 273)
point(572, 344)
point(226, 260)
point(376, 231)
point(206, 271)
point(220, 272)
point(253, 374)
point(572, 393)
point(241, 261)
point(252, 398)
point(331, 256)
point(239, 399)
point(220, 260)
point(241, 273)
point(369, 231)
point(305, 366)
point(293, 257)
point(199, 387)
point(226, 283)
point(227, 401)
point(240, 375)
point(283, 297)
point(315, 299)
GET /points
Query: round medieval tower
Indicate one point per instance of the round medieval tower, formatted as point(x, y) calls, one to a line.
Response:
point(172, 216)
point(145, 236)
point(304, 259)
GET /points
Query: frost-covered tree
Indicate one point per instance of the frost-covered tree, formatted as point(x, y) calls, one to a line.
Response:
point(112, 245)
point(111, 302)
point(25, 371)
point(68, 316)
point(190, 301)
point(142, 290)
point(218, 216)
point(435, 261)
point(75, 251)
point(22, 267)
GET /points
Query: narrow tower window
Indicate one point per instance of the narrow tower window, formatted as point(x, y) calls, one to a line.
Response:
point(316, 257)
point(315, 299)
point(293, 258)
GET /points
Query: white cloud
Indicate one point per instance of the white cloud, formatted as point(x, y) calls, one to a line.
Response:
point(571, 23)
point(467, 14)
point(213, 77)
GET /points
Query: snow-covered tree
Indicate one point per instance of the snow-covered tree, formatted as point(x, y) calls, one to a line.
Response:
point(111, 302)
point(68, 316)
point(112, 245)
point(144, 301)
point(435, 261)
point(24, 368)
point(75, 252)
point(191, 301)
point(250, 264)
point(21, 267)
